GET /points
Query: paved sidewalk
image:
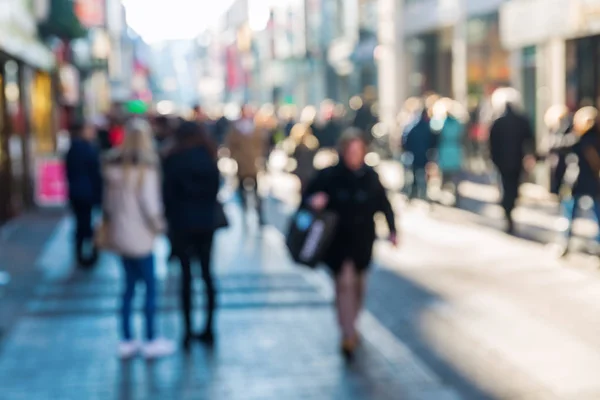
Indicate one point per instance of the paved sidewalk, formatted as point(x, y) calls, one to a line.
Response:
point(277, 337)
point(21, 242)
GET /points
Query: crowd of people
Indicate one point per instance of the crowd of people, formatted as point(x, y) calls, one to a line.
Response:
point(152, 176)
point(159, 175)
point(435, 143)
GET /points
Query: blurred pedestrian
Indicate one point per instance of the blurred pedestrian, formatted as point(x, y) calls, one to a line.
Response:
point(419, 142)
point(450, 142)
point(559, 144)
point(247, 143)
point(133, 217)
point(85, 188)
point(306, 148)
point(116, 133)
point(365, 119)
point(353, 191)
point(101, 125)
point(580, 179)
point(511, 145)
point(191, 186)
point(331, 126)
point(222, 126)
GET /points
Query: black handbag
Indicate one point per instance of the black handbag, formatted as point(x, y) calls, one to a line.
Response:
point(220, 219)
point(310, 236)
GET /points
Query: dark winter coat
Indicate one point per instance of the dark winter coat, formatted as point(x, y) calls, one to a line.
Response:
point(420, 141)
point(588, 181)
point(84, 174)
point(190, 188)
point(355, 197)
point(511, 138)
point(365, 120)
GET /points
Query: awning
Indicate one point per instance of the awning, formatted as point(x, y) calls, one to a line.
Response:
point(27, 49)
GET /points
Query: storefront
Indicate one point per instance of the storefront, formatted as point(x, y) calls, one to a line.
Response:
point(566, 37)
point(429, 63)
point(26, 123)
point(488, 64)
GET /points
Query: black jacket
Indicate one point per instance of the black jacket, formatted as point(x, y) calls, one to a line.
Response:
point(355, 197)
point(84, 173)
point(588, 181)
point(511, 138)
point(190, 188)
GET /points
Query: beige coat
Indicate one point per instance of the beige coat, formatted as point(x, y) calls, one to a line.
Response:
point(247, 150)
point(133, 207)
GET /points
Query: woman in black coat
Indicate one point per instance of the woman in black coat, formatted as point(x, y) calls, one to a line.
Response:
point(191, 185)
point(353, 191)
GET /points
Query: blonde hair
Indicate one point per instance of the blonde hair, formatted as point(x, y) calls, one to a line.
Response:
point(585, 119)
point(138, 148)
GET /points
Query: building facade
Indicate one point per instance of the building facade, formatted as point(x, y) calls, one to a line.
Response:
point(556, 51)
point(26, 105)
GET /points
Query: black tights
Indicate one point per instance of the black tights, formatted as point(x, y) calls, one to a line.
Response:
point(198, 245)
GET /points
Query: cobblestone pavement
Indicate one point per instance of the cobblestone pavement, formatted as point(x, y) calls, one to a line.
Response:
point(277, 337)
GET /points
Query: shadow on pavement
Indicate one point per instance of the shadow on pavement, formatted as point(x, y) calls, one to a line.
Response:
point(398, 304)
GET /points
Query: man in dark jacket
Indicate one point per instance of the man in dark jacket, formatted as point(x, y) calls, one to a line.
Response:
point(511, 140)
point(85, 186)
point(419, 142)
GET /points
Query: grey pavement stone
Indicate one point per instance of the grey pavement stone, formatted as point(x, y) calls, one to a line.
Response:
point(277, 338)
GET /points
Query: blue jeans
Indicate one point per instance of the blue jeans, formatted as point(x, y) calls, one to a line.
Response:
point(138, 269)
point(570, 208)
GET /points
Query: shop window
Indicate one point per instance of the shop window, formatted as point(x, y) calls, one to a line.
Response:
point(41, 113)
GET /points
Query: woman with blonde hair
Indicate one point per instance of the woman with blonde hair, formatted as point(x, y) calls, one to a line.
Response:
point(133, 218)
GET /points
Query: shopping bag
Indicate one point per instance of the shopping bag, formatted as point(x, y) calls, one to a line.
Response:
point(310, 236)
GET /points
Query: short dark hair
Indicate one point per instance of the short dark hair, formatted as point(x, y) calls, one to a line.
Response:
point(191, 134)
point(76, 127)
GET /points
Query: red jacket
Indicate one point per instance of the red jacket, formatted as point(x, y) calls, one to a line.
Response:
point(116, 136)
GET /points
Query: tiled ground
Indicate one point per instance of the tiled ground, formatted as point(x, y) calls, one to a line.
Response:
point(277, 337)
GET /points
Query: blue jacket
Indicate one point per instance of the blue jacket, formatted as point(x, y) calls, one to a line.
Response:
point(450, 145)
point(419, 141)
point(84, 174)
point(190, 188)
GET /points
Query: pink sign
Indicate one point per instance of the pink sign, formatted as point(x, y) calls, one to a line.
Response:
point(51, 185)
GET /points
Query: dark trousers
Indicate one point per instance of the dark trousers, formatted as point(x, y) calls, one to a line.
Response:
point(418, 189)
point(510, 186)
point(136, 270)
point(249, 185)
point(188, 247)
point(83, 229)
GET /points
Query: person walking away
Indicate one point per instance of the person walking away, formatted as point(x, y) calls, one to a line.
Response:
point(419, 142)
point(353, 191)
point(580, 151)
point(116, 133)
point(365, 119)
point(449, 146)
point(246, 143)
point(85, 188)
point(102, 133)
point(511, 139)
point(133, 217)
point(306, 148)
point(191, 186)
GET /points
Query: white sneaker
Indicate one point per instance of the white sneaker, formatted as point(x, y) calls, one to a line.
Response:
point(129, 349)
point(158, 348)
